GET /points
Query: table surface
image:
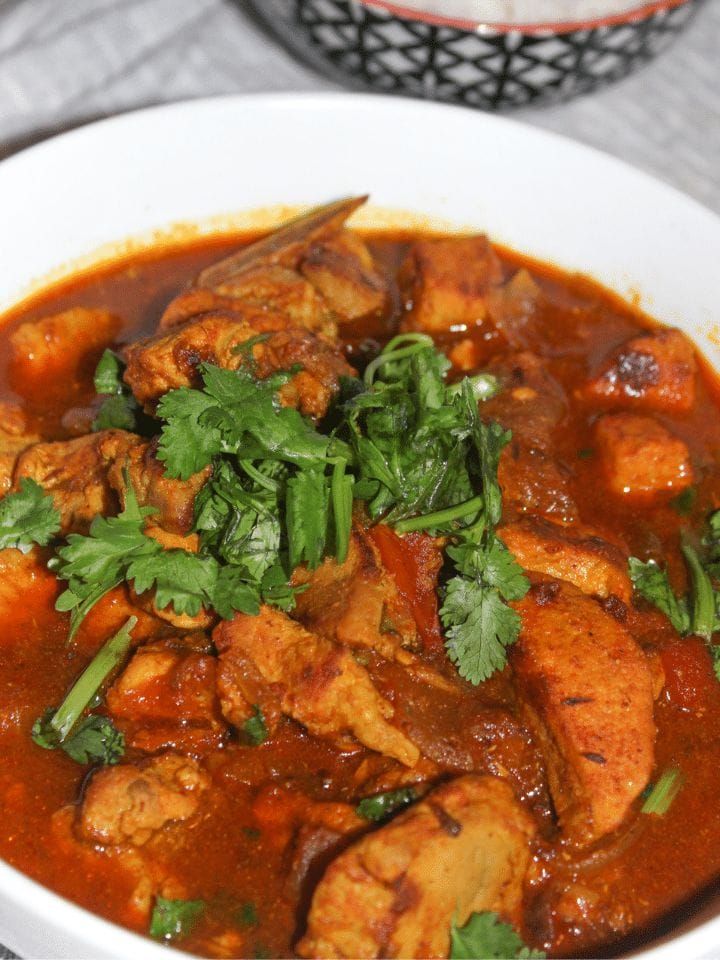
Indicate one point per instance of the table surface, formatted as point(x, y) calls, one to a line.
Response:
point(64, 64)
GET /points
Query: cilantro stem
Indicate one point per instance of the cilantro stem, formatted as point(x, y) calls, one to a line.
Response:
point(341, 491)
point(703, 598)
point(266, 482)
point(440, 517)
point(418, 342)
point(91, 679)
point(660, 798)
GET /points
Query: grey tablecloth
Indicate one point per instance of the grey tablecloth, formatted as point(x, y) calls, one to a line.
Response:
point(64, 62)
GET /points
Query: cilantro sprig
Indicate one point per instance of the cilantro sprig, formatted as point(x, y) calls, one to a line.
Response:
point(93, 738)
point(117, 549)
point(698, 610)
point(28, 516)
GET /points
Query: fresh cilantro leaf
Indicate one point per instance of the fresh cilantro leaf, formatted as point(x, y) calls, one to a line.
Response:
point(28, 516)
point(485, 937)
point(174, 919)
point(108, 373)
point(383, 804)
point(306, 511)
point(232, 595)
point(653, 585)
point(492, 562)
point(93, 740)
point(119, 409)
point(684, 502)
point(187, 443)
point(255, 728)
point(247, 915)
point(479, 628)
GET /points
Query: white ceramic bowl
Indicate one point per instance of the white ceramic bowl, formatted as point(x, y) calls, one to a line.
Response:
point(70, 200)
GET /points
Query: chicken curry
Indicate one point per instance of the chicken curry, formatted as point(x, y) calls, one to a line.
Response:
point(358, 597)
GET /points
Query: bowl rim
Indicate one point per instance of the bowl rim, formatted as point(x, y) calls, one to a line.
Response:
point(16, 889)
point(636, 12)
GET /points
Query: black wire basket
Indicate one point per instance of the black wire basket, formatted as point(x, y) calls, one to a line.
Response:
point(374, 44)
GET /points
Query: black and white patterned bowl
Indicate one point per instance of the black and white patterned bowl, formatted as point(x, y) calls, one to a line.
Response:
point(426, 48)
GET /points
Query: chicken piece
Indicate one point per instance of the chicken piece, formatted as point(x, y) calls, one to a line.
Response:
point(655, 371)
point(395, 892)
point(513, 306)
point(171, 360)
point(588, 696)
point(271, 289)
point(532, 404)
point(272, 661)
point(356, 603)
point(166, 697)
point(75, 472)
point(174, 500)
point(129, 803)
point(13, 440)
point(640, 457)
point(58, 348)
point(27, 587)
point(447, 281)
point(343, 271)
point(571, 554)
point(286, 245)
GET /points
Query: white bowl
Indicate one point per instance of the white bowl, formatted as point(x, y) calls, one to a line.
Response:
point(68, 202)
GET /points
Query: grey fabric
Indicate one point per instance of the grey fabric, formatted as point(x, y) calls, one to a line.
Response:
point(65, 62)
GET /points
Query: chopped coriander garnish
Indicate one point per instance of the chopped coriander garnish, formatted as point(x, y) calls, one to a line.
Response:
point(174, 919)
point(117, 549)
point(94, 738)
point(383, 804)
point(663, 792)
point(652, 583)
point(28, 516)
point(585, 453)
point(119, 408)
point(486, 937)
point(684, 502)
point(255, 728)
point(247, 915)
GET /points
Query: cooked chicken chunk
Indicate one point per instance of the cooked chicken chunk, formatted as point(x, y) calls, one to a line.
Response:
point(166, 697)
point(655, 371)
point(55, 348)
point(343, 271)
point(513, 307)
point(395, 892)
point(14, 438)
point(131, 802)
point(532, 404)
point(173, 500)
point(75, 472)
point(447, 281)
point(568, 553)
point(170, 360)
point(273, 662)
point(588, 692)
point(25, 584)
point(357, 602)
point(640, 456)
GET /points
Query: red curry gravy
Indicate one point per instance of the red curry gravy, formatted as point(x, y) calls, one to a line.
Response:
point(236, 857)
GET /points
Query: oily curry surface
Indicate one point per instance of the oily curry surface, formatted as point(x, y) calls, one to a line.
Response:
point(251, 742)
